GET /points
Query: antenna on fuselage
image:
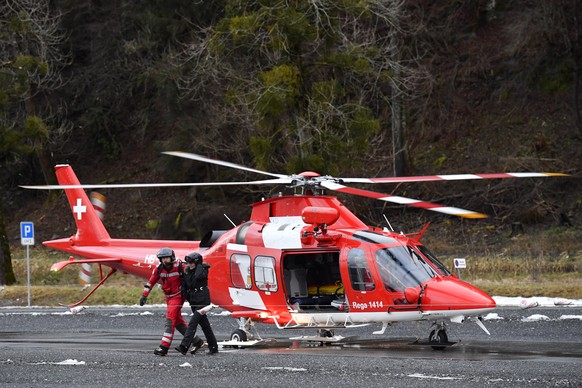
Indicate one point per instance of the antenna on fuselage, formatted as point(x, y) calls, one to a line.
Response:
point(233, 224)
point(388, 222)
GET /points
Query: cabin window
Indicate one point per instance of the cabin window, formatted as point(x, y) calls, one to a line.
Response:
point(265, 278)
point(240, 270)
point(360, 275)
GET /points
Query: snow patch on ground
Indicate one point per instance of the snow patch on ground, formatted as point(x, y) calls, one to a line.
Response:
point(535, 318)
point(422, 376)
point(287, 368)
point(518, 301)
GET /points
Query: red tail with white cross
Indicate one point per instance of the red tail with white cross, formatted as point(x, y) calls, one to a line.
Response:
point(90, 229)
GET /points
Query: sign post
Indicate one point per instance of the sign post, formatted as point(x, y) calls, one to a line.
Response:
point(460, 263)
point(27, 238)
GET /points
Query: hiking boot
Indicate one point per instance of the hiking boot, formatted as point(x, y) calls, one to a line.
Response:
point(161, 351)
point(212, 352)
point(182, 349)
point(197, 346)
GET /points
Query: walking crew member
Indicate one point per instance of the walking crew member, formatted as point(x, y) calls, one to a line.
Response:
point(197, 293)
point(169, 272)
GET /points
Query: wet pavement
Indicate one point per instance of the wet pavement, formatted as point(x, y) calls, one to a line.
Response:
point(112, 346)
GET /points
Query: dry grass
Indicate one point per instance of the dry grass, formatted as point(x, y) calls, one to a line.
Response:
point(569, 287)
point(545, 262)
point(51, 288)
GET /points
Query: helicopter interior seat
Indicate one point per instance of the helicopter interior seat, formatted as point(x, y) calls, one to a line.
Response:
point(296, 280)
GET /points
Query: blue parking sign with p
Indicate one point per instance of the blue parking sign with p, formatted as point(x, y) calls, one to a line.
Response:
point(27, 233)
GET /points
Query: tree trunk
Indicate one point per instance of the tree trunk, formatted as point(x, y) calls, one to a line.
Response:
point(6, 272)
point(398, 142)
point(47, 167)
point(400, 155)
point(575, 56)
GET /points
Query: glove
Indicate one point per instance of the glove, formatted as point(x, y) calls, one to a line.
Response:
point(143, 300)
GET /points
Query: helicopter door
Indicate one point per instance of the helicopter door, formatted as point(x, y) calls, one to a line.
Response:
point(253, 277)
point(360, 276)
point(240, 288)
point(263, 269)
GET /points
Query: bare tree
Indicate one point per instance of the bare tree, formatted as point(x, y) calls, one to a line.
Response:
point(549, 37)
point(313, 80)
point(32, 60)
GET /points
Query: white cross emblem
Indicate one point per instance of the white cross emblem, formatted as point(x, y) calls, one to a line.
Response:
point(79, 209)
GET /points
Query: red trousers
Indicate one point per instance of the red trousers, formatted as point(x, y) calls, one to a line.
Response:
point(174, 319)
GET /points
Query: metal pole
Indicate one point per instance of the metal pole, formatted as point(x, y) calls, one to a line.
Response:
point(28, 273)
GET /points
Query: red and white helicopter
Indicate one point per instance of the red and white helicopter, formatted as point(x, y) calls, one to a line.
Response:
point(300, 261)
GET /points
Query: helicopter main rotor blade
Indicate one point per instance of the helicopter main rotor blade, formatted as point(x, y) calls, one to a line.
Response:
point(201, 158)
point(452, 177)
point(403, 201)
point(154, 185)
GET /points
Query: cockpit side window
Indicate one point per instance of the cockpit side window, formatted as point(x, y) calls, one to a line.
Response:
point(433, 259)
point(401, 267)
point(360, 276)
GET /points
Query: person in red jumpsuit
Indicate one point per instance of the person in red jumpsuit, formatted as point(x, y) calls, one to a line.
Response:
point(169, 273)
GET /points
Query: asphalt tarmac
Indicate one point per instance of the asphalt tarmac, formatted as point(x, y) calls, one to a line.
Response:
point(113, 346)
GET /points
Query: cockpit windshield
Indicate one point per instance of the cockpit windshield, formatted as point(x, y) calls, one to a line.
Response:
point(401, 267)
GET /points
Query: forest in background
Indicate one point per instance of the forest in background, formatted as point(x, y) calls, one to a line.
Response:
point(346, 88)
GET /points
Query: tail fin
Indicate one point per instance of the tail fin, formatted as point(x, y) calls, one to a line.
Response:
point(89, 225)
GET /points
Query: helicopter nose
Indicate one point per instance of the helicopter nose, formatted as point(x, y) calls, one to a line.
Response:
point(454, 294)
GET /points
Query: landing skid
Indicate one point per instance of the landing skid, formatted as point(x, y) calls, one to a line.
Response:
point(335, 340)
point(244, 337)
point(242, 344)
point(247, 336)
point(327, 340)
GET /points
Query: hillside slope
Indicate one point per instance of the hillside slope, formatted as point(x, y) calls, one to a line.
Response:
point(501, 99)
